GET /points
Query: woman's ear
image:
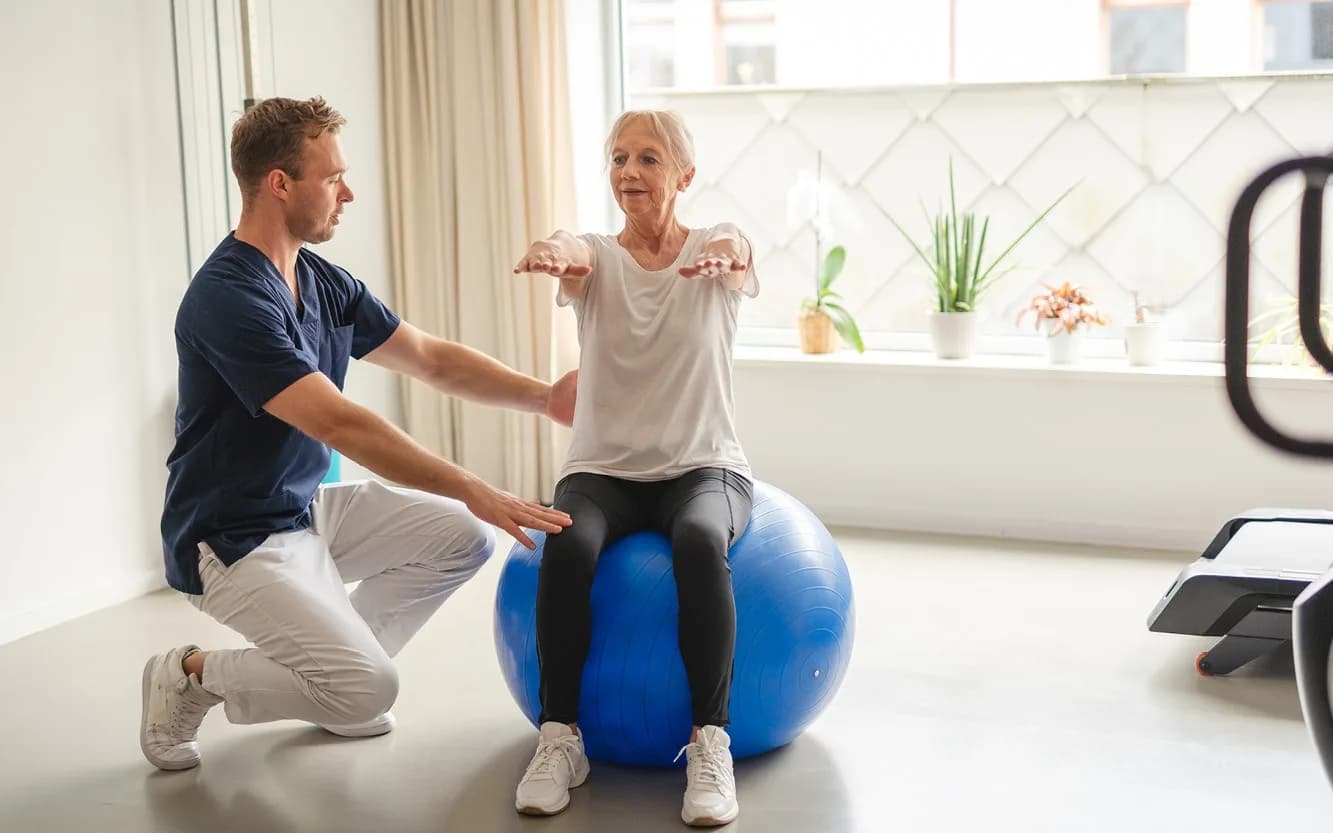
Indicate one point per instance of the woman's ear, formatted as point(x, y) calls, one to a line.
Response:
point(686, 179)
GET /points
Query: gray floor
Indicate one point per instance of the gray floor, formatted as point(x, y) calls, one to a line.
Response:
point(994, 687)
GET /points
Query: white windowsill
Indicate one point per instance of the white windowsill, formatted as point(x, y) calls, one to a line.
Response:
point(1095, 369)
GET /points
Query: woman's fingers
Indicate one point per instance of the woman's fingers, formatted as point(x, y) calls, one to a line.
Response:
point(711, 267)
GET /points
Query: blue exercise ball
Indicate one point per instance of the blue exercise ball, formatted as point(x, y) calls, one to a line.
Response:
point(794, 628)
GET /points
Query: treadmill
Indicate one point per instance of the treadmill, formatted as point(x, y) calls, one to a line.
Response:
point(1244, 585)
point(1312, 612)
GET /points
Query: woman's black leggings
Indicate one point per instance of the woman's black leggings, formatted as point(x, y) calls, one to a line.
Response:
point(701, 512)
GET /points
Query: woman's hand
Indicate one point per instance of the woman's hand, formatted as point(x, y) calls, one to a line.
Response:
point(548, 257)
point(715, 260)
point(560, 398)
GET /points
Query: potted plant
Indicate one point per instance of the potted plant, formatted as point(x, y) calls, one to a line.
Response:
point(824, 315)
point(1066, 313)
point(1144, 340)
point(960, 272)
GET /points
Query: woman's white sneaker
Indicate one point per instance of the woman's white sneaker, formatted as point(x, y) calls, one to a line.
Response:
point(558, 766)
point(710, 784)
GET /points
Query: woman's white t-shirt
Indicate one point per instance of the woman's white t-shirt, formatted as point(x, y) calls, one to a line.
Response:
point(654, 395)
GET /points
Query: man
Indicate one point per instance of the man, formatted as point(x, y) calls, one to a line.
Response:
point(263, 336)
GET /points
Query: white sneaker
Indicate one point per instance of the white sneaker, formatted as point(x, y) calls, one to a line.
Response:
point(558, 766)
point(710, 785)
point(173, 707)
point(381, 725)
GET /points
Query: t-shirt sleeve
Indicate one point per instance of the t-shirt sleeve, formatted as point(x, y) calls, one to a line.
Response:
point(372, 321)
point(750, 286)
point(241, 333)
point(564, 299)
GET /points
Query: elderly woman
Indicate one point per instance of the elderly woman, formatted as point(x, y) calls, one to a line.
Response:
point(654, 448)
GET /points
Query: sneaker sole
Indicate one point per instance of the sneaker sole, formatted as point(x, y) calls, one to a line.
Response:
point(160, 763)
point(711, 821)
point(534, 810)
point(375, 732)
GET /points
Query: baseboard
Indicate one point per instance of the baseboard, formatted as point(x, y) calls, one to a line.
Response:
point(86, 598)
point(1032, 528)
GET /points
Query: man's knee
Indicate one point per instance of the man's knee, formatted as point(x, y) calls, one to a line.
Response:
point(477, 543)
point(365, 688)
point(468, 545)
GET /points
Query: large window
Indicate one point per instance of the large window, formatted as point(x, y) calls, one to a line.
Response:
point(868, 103)
point(704, 44)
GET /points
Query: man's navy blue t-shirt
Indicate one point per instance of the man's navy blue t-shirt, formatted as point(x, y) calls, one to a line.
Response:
point(239, 474)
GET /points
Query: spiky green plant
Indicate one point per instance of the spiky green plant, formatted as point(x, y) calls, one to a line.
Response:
point(1281, 325)
point(957, 254)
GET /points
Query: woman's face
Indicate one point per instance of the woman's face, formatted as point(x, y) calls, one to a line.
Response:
point(644, 180)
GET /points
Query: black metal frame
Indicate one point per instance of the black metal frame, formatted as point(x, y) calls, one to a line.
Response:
point(1313, 611)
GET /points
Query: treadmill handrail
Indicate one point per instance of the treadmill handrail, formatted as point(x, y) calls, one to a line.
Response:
point(1237, 316)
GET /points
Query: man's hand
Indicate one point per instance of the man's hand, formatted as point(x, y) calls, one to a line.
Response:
point(560, 399)
point(509, 513)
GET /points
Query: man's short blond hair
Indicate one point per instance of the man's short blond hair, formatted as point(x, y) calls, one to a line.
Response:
point(270, 136)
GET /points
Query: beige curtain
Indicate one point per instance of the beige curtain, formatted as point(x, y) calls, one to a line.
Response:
point(480, 164)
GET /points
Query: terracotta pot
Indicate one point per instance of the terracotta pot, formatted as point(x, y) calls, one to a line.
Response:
point(817, 332)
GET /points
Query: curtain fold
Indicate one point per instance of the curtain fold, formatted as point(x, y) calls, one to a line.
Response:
point(479, 165)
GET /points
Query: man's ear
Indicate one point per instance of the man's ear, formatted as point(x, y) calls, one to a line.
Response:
point(278, 183)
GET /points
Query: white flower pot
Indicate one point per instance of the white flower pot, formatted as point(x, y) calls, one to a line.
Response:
point(953, 334)
point(1145, 343)
point(1065, 347)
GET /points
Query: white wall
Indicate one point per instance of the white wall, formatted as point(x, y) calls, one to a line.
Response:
point(840, 43)
point(93, 253)
point(1130, 459)
point(1027, 40)
point(332, 48)
point(93, 263)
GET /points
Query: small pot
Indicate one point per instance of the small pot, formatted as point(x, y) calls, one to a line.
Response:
point(953, 334)
point(817, 332)
point(1145, 343)
point(1065, 347)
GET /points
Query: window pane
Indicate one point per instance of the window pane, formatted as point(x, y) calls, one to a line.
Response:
point(649, 55)
point(1298, 36)
point(750, 53)
point(750, 64)
point(1147, 40)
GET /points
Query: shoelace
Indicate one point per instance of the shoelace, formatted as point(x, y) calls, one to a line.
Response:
point(707, 766)
point(187, 714)
point(543, 763)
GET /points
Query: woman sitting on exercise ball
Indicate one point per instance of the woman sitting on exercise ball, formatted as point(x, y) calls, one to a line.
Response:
point(654, 448)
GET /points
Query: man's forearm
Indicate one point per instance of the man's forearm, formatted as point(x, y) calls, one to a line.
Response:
point(470, 374)
point(377, 444)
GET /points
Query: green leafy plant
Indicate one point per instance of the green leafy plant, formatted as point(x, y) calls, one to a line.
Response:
point(1281, 325)
point(957, 259)
point(829, 303)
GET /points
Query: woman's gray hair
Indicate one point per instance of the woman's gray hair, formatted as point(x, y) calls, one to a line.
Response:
point(669, 127)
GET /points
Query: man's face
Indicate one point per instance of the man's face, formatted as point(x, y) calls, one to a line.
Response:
point(317, 198)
